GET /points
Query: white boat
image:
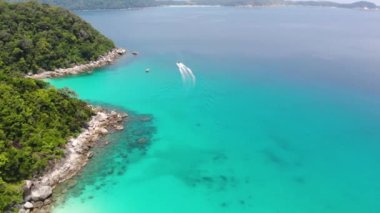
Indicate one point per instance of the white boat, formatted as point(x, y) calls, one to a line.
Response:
point(186, 73)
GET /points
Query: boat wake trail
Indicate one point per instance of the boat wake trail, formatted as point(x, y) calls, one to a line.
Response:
point(186, 73)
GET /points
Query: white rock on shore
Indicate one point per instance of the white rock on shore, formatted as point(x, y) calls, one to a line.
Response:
point(104, 60)
point(28, 184)
point(77, 155)
point(28, 205)
point(41, 193)
point(24, 211)
point(77, 152)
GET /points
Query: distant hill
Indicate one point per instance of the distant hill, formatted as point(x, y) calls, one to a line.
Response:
point(117, 4)
point(36, 37)
point(236, 2)
point(99, 4)
point(359, 4)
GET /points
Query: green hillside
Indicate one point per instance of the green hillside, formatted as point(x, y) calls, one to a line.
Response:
point(36, 37)
point(36, 119)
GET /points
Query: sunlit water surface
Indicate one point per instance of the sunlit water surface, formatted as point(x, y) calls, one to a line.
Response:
point(283, 117)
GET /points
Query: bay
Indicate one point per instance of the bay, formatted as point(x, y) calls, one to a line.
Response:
point(283, 116)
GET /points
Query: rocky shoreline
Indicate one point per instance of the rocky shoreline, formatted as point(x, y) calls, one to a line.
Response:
point(37, 192)
point(102, 61)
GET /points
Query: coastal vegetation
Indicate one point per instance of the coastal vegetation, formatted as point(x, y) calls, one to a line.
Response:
point(117, 4)
point(35, 123)
point(37, 37)
point(36, 119)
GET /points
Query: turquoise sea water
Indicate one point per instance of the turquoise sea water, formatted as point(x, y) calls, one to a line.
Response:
point(284, 116)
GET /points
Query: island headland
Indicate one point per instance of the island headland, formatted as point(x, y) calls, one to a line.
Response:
point(46, 134)
point(102, 61)
point(38, 191)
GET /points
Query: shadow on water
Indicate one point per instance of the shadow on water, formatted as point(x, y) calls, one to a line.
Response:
point(112, 155)
point(274, 158)
point(283, 153)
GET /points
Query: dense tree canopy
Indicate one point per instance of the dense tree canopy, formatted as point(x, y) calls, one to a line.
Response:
point(36, 119)
point(35, 123)
point(36, 37)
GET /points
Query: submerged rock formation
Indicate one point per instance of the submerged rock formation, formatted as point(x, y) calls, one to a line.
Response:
point(77, 153)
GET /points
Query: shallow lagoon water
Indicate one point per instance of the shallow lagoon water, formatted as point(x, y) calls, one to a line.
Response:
point(284, 116)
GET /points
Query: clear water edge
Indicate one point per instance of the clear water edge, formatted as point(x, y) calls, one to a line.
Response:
point(267, 128)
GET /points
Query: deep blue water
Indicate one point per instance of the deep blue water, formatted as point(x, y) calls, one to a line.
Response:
point(283, 118)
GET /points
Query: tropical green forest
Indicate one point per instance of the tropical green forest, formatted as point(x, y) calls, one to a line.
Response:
point(36, 37)
point(35, 122)
point(36, 119)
